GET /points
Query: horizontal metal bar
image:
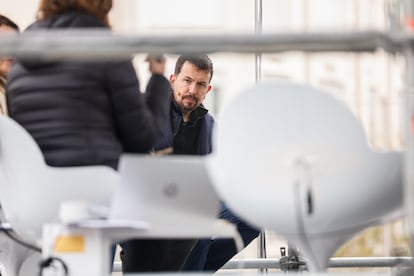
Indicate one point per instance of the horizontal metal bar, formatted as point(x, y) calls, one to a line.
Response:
point(252, 264)
point(370, 261)
point(333, 262)
point(272, 263)
point(102, 45)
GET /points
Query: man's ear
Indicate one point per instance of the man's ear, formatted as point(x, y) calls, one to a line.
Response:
point(172, 80)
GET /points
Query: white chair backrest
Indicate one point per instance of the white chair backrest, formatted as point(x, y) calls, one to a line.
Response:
point(19, 157)
point(295, 160)
point(19, 152)
point(31, 192)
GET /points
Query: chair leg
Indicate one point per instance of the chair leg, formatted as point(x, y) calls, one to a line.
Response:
point(12, 256)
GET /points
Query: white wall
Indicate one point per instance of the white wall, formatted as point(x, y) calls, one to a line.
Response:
point(22, 12)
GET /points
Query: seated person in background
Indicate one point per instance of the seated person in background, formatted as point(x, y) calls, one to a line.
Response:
point(189, 131)
point(88, 113)
point(6, 26)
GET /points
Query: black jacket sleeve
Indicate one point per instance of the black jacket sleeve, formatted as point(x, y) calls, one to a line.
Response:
point(138, 117)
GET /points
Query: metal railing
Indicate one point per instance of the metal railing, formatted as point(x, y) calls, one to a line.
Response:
point(340, 262)
point(82, 45)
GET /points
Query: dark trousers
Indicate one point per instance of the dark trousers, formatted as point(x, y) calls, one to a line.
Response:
point(212, 254)
point(155, 255)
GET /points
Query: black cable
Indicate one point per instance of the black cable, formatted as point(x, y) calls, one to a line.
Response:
point(8, 233)
point(47, 262)
point(44, 263)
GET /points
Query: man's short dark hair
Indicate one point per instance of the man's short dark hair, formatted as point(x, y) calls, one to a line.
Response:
point(7, 22)
point(202, 62)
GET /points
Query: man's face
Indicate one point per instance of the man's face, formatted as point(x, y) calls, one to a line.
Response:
point(190, 86)
point(5, 62)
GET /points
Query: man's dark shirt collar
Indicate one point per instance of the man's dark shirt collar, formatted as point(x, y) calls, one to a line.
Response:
point(186, 135)
point(195, 115)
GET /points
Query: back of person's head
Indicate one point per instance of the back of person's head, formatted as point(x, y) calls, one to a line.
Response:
point(202, 62)
point(5, 21)
point(98, 8)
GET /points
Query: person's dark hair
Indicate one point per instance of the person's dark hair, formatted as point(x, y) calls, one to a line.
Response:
point(202, 62)
point(98, 8)
point(7, 22)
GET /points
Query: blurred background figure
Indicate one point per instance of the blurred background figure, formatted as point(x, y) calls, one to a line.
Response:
point(6, 26)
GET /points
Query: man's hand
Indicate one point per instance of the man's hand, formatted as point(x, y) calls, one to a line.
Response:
point(156, 63)
point(165, 151)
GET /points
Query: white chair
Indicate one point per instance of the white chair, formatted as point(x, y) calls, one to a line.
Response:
point(31, 191)
point(295, 160)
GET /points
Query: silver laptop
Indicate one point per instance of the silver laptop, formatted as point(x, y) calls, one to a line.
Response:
point(172, 193)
